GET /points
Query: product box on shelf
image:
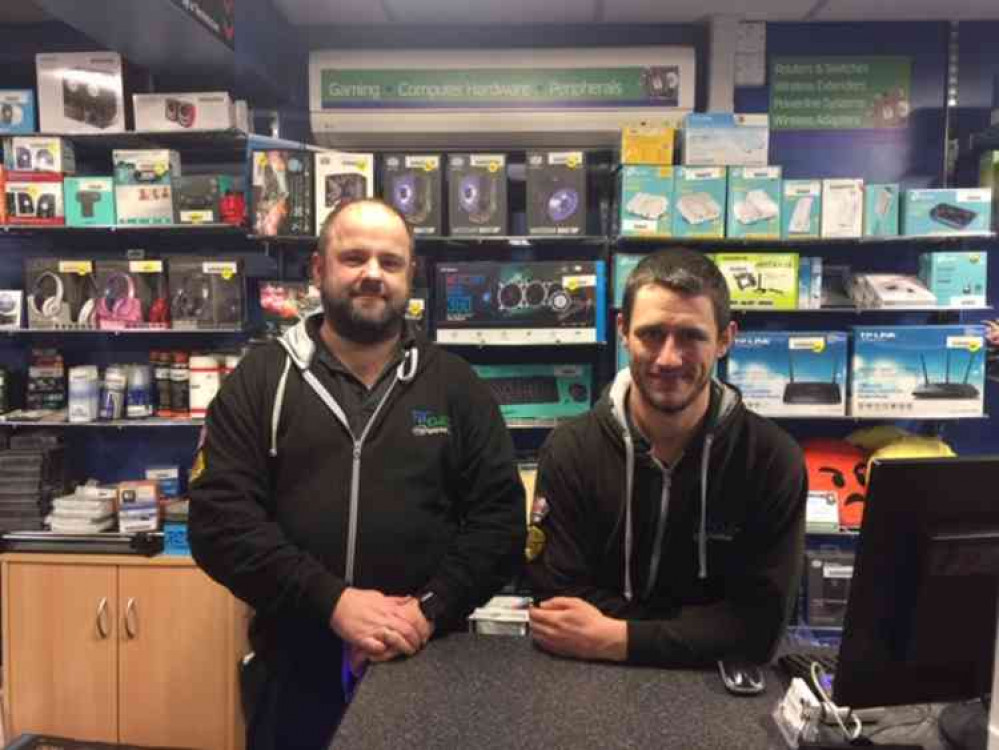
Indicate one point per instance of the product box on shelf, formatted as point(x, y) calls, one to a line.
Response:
point(34, 198)
point(285, 303)
point(624, 264)
point(17, 111)
point(887, 290)
point(621, 356)
point(206, 293)
point(881, 210)
point(341, 177)
point(39, 154)
point(827, 586)
point(784, 373)
point(477, 194)
point(842, 208)
point(988, 176)
point(801, 209)
point(209, 110)
point(132, 294)
point(10, 309)
point(59, 293)
point(809, 282)
point(143, 185)
point(538, 395)
point(760, 280)
point(282, 186)
point(197, 199)
point(545, 302)
point(646, 201)
point(956, 279)
point(723, 139)
point(556, 192)
point(947, 211)
point(699, 195)
point(649, 143)
point(80, 92)
point(167, 480)
point(754, 198)
point(3, 194)
point(917, 371)
point(89, 201)
point(412, 183)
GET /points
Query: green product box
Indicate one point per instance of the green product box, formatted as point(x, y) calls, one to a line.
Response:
point(89, 202)
point(646, 201)
point(760, 280)
point(881, 210)
point(754, 198)
point(699, 205)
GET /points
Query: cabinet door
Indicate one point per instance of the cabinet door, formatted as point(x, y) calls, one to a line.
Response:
point(175, 663)
point(62, 650)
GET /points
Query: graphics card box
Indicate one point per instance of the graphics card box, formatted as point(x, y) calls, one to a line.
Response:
point(961, 211)
point(754, 199)
point(842, 208)
point(624, 264)
point(477, 194)
point(556, 192)
point(881, 208)
point(209, 110)
point(59, 293)
point(80, 92)
point(206, 293)
point(827, 586)
point(760, 280)
point(17, 111)
point(285, 303)
point(790, 374)
point(724, 139)
point(646, 201)
point(699, 202)
point(412, 183)
point(143, 181)
point(957, 279)
point(39, 154)
point(801, 209)
point(131, 294)
point(89, 201)
point(34, 198)
point(282, 186)
point(197, 199)
point(341, 177)
point(902, 372)
point(649, 143)
point(545, 302)
point(539, 395)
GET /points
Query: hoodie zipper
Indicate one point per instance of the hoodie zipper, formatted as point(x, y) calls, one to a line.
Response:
point(657, 545)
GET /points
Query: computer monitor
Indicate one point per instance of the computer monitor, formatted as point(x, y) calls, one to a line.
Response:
point(920, 622)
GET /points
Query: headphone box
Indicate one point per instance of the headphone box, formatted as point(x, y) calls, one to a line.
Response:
point(39, 154)
point(546, 302)
point(161, 113)
point(197, 199)
point(556, 192)
point(827, 586)
point(699, 202)
point(89, 202)
point(143, 181)
point(10, 309)
point(477, 194)
point(80, 92)
point(282, 185)
point(58, 293)
point(646, 201)
point(539, 395)
point(34, 198)
point(760, 280)
point(412, 183)
point(132, 294)
point(206, 293)
point(754, 201)
point(17, 111)
point(341, 177)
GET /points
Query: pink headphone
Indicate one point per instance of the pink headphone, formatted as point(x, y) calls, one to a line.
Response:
point(121, 311)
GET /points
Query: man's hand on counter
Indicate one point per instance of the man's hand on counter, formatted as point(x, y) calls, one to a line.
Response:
point(382, 627)
point(572, 627)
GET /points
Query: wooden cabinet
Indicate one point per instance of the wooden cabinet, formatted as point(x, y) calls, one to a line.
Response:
point(121, 650)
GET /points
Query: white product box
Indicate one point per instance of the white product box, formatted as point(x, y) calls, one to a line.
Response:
point(723, 139)
point(80, 92)
point(842, 208)
point(210, 110)
point(39, 154)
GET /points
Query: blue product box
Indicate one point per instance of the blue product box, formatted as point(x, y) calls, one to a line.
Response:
point(783, 373)
point(624, 264)
point(903, 372)
point(699, 205)
point(89, 201)
point(956, 279)
point(804, 283)
point(622, 358)
point(754, 198)
point(175, 539)
point(955, 211)
point(881, 207)
point(539, 395)
point(801, 209)
point(17, 111)
point(726, 139)
point(646, 201)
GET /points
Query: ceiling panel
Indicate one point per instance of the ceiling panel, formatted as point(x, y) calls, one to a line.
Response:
point(331, 12)
point(909, 10)
point(476, 12)
point(685, 11)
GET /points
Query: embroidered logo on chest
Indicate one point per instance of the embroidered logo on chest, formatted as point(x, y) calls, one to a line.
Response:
point(427, 422)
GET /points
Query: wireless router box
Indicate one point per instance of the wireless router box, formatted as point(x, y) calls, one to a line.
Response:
point(811, 392)
point(946, 389)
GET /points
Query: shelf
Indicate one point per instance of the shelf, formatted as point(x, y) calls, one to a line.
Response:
point(113, 424)
point(512, 241)
point(884, 418)
point(790, 244)
point(156, 229)
point(232, 140)
point(859, 310)
point(124, 332)
point(850, 534)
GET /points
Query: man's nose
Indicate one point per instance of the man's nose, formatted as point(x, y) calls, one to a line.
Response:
point(373, 269)
point(669, 354)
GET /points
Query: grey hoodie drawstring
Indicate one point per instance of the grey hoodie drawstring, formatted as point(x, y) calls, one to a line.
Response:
point(278, 403)
point(629, 481)
point(702, 539)
point(407, 368)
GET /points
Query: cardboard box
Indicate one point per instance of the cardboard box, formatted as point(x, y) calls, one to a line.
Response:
point(881, 210)
point(754, 200)
point(539, 395)
point(724, 139)
point(80, 92)
point(89, 201)
point(132, 294)
point(950, 212)
point(340, 178)
point(197, 199)
point(646, 201)
point(10, 310)
point(209, 110)
point(413, 184)
point(760, 280)
point(206, 293)
point(624, 264)
point(59, 294)
point(39, 154)
point(556, 192)
point(842, 208)
point(957, 279)
point(282, 185)
point(3, 192)
point(699, 202)
point(143, 180)
point(649, 143)
point(830, 573)
point(285, 303)
point(988, 176)
point(34, 198)
point(17, 111)
point(801, 209)
point(810, 283)
point(477, 190)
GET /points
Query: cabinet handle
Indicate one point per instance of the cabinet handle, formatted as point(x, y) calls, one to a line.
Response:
point(130, 629)
point(102, 613)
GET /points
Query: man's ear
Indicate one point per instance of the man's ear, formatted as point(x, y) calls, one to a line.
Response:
point(726, 338)
point(316, 268)
point(620, 326)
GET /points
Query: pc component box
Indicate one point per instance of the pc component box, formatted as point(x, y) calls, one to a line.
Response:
point(961, 211)
point(143, 181)
point(956, 279)
point(646, 201)
point(412, 183)
point(90, 202)
point(209, 110)
point(624, 264)
point(801, 209)
point(34, 198)
point(827, 586)
point(80, 92)
point(790, 374)
point(539, 395)
point(810, 282)
point(881, 210)
point(206, 293)
point(548, 302)
point(17, 111)
point(842, 208)
point(197, 199)
point(477, 194)
point(285, 303)
point(917, 371)
point(699, 202)
point(988, 177)
point(131, 294)
point(754, 198)
point(724, 139)
point(282, 193)
point(11, 310)
point(556, 192)
point(649, 143)
point(889, 290)
point(59, 294)
point(760, 280)
point(39, 154)
point(341, 177)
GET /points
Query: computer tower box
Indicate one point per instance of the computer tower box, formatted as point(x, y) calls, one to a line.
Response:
point(34, 198)
point(39, 154)
point(282, 185)
point(206, 293)
point(902, 372)
point(89, 201)
point(539, 395)
point(17, 111)
point(341, 177)
point(544, 302)
point(59, 293)
point(412, 183)
point(556, 192)
point(477, 194)
point(827, 587)
point(80, 92)
point(790, 374)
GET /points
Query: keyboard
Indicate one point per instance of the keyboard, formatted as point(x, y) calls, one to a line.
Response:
point(532, 389)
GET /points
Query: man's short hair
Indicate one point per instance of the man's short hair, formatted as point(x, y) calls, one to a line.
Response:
point(683, 271)
point(326, 233)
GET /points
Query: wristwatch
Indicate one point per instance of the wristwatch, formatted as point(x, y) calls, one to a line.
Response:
point(431, 606)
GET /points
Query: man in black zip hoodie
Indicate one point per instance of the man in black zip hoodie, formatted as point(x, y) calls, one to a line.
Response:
point(668, 523)
point(356, 486)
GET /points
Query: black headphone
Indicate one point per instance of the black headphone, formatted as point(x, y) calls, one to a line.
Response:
point(192, 298)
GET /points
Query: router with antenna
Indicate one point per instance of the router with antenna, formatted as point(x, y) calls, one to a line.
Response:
point(946, 389)
point(811, 392)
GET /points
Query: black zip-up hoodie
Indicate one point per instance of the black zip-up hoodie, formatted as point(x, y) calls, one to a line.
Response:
point(291, 508)
point(703, 558)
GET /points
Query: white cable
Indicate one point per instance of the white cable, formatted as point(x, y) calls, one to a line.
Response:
point(817, 674)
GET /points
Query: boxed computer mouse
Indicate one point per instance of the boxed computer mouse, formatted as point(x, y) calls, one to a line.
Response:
point(556, 192)
point(39, 154)
point(699, 202)
point(132, 294)
point(956, 279)
point(34, 198)
point(754, 200)
point(143, 185)
point(950, 211)
point(206, 293)
point(827, 586)
point(801, 209)
point(624, 264)
point(209, 110)
point(917, 371)
point(760, 280)
point(790, 373)
point(646, 201)
point(881, 207)
point(282, 193)
point(412, 183)
point(341, 177)
point(539, 395)
point(89, 201)
point(59, 293)
point(477, 194)
point(17, 111)
point(842, 208)
point(80, 92)
point(197, 199)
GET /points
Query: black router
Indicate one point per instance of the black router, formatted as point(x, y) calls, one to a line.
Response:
point(946, 389)
point(808, 392)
